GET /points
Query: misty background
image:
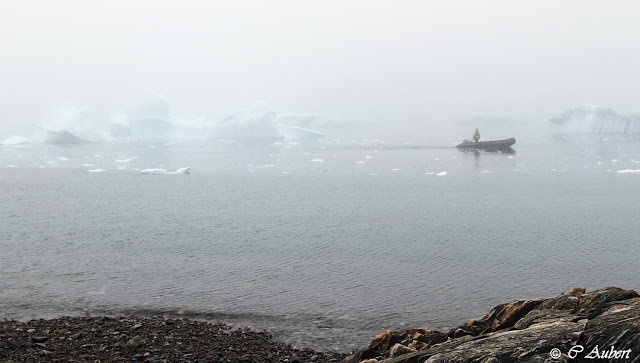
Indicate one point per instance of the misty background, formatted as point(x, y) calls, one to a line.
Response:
point(407, 66)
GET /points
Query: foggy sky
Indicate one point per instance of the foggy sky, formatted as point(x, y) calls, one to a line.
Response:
point(415, 63)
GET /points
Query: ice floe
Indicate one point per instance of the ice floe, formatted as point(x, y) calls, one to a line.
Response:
point(186, 170)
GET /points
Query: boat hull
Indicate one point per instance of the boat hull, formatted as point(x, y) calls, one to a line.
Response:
point(487, 145)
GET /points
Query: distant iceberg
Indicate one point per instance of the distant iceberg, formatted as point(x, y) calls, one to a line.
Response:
point(148, 119)
point(63, 138)
point(69, 125)
point(592, 119)
point(15, 140)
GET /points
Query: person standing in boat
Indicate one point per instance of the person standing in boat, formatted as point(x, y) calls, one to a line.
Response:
point(476, 135)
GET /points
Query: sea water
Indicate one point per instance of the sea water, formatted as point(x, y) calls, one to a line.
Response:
point(323, 244)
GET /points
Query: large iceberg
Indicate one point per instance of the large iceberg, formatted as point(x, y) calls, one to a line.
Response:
point(148, 119)
point(592, 119)
point(69, 125)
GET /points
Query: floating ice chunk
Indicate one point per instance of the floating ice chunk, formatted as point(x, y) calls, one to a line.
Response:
point(95, 170)
point(286, 172)
point(599, 163)
point(359, 162)
point(88, 164)
point(396, 169)
point(486, 171)
point(12, 166)
point(42, 166)
point(269, 166)
point(186, 170)
point(373, 174)
point(628, 171)
point(442, 173)
point(122, 167)
point(63, 158)
point(436, 159)
point(124, 161)
point(635, 161)
point(368, 157)
point(429, 173)
point(315, 160)
point(52, 162)
point(510, 156)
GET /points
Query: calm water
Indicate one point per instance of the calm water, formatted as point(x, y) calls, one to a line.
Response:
point(325, 244)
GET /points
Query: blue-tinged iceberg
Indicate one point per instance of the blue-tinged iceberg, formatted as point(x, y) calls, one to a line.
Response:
point(69, 125)
point(592, 119)
point(148, 118)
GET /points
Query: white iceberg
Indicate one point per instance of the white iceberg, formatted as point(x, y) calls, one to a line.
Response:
point(16, 140)
point(186, 170)
point(69, 125)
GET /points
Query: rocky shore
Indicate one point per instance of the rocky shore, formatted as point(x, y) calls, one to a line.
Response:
point(129, 339)
point(576, 326)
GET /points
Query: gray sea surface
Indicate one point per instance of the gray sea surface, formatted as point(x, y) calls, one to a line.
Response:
point(323, 244)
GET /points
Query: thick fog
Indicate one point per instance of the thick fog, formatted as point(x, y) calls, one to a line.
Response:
point(397, 65)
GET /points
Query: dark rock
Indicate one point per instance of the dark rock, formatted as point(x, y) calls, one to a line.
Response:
point(381, 343)
point(575, 291)
point(528, 345)
point(135, 342)
point(39, 339)
point(503, 316)
point(562, 302)
point(543, 316)
point(527, 331)
point(432, 337)
point(294, 359)
point(76, 336)
point(593, 303)
point(457, 333)
point(14, 344)
point(138, 356)
point(399, 349)
point(618, 327)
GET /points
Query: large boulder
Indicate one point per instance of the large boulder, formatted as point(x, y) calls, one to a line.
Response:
point(525, 331)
